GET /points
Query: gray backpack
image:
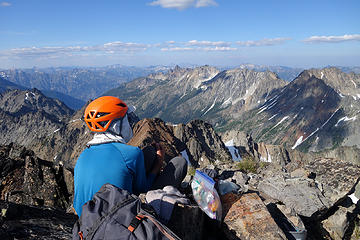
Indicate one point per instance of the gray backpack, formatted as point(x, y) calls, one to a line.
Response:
point(114, 213)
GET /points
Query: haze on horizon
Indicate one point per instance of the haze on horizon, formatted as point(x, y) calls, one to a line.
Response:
point(164, 32)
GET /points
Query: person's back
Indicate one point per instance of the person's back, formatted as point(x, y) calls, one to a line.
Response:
point(108, 159)
point(115, 163)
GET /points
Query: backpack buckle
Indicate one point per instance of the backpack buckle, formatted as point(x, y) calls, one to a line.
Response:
point(135, 222)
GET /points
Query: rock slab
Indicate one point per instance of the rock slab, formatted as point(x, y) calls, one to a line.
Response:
point(248, 218)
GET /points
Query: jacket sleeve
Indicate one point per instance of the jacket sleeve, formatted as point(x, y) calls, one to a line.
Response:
point(141, 183)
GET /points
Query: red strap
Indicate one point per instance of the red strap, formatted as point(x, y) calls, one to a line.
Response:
point(81, 235)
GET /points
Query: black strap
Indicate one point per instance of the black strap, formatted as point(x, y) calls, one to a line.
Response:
point(135, 222)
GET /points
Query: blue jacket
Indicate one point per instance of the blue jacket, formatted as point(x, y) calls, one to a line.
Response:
point(116, 163)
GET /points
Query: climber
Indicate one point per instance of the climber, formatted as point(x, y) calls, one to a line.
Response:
point(108, 159)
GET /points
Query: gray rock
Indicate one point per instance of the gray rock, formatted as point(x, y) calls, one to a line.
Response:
point(338, 224)
point(297, 193)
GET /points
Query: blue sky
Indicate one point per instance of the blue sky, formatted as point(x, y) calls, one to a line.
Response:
point(306, 33)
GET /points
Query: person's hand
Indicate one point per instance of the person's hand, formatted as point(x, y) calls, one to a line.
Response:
point(160, 153)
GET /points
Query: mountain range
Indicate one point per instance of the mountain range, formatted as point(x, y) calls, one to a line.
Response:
point(263, 121)
point(81, 83)
point(317, 110)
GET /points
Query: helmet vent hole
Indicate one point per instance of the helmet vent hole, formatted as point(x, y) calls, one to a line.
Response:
point(103, 123)
point(101, 114)
point(121, 105)
point(92, 113)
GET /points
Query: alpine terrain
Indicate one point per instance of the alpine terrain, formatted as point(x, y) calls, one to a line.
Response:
point(285, 154)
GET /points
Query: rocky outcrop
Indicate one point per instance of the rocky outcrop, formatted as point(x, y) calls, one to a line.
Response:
point(196, 140)
point(148, 131)
point(248, 218)
point(26, 179)
point(203, 143)
point(19, 221)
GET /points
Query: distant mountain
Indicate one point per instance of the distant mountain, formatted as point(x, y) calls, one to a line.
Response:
point(286, 73)
point(183, 94)
point(71, 102)
point(27, 117)
point(80, 83)
point(6, 85)
point(348, 69)
point(319, 109)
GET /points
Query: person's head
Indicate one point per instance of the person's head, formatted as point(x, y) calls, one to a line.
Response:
point(111, 114)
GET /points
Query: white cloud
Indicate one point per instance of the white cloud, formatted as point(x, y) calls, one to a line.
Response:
point(332, 39)
point(204, 49)
point(173, 49)
point(208, 43)
point(264, 42)
point(112, 47)
point(219, 49)
point(5, 4)
point(183, 4)
point(205, 3)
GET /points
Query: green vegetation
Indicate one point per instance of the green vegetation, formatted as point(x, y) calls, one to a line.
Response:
point(191, 171)
point(249, 165)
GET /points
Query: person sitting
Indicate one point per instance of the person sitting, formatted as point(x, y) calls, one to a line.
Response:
point(109, 159)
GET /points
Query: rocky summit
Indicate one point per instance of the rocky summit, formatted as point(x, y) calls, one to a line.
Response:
point(286, 157)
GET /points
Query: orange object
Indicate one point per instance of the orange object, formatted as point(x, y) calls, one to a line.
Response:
point(102, 111)
point(81, 235)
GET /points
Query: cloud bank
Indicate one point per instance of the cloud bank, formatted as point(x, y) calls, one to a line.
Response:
point(332, 39)
point(5, 4)
point(263, 42)
point(183, 4)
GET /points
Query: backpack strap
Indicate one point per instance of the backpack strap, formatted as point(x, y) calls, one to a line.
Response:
point(135, 222)
point(161, 228)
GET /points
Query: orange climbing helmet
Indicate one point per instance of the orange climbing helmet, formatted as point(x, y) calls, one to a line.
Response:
point(102, 111)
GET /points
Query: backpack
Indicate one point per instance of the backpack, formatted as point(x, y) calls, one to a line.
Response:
point(114, 213)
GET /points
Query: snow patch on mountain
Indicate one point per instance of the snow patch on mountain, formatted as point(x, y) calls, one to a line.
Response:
point(186, 156)
point(353, 198)
point(211, 107)
point(28, 96)
point(345, 119)
point(281, 121)
point(233, 150)
point(226, 103)
point(298, 142)
point(272, 117)
point(354, 83)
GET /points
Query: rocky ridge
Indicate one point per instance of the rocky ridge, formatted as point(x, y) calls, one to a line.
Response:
point(184, 94)
point(297, 190)
point(307, 114)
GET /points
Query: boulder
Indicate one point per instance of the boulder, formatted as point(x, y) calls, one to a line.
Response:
point(314, 188)
point(148, 131)
point(248, 218)
point(204, 144)
point(298, 193)
point(26, 179)
point(335, 178)
point(19, 221)
point(338, 223)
